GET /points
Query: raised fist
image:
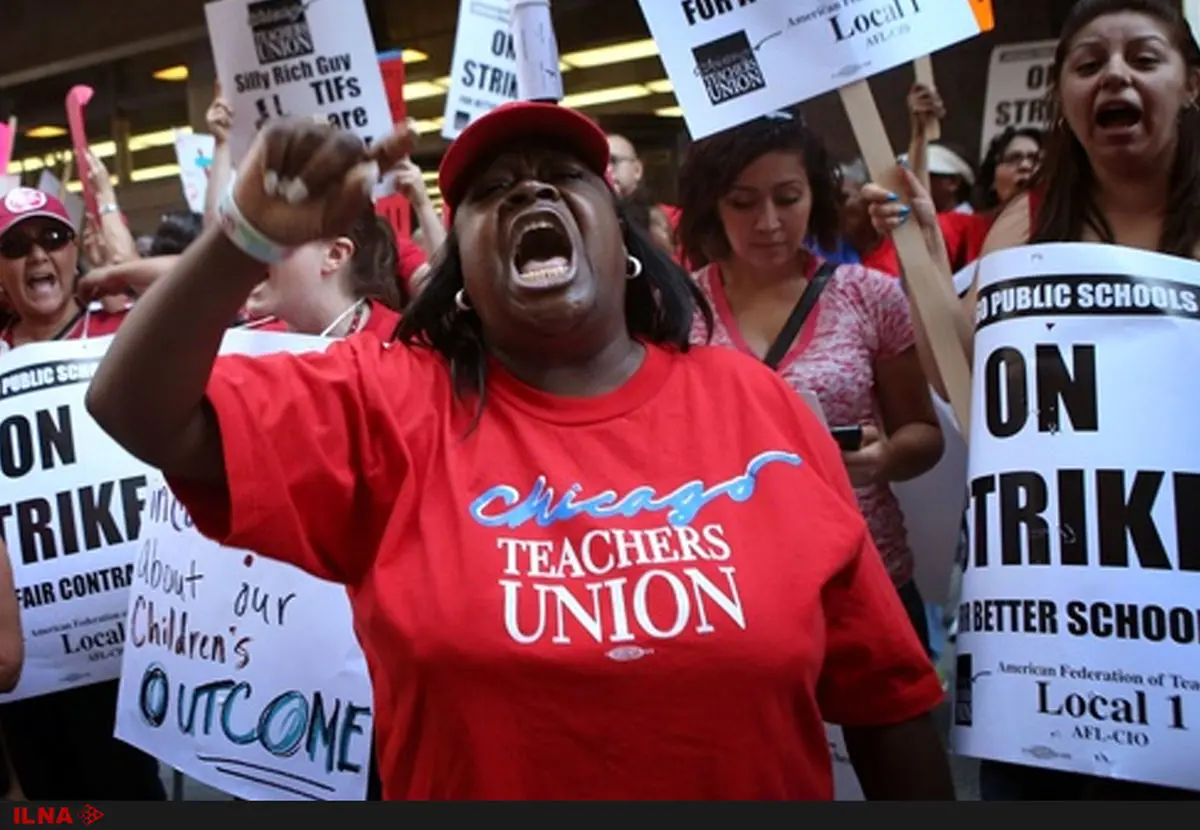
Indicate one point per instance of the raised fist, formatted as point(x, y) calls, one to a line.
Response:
point(305, 180)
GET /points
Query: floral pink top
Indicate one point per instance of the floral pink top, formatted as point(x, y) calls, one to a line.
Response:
point(861, 317)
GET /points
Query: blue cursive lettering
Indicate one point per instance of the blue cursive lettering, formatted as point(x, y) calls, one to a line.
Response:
point(503, 506)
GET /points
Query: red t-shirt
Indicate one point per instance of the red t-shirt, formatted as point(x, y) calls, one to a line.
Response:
point(657, 593)
point(382, 322)
point(964, 234)
point(92, 321)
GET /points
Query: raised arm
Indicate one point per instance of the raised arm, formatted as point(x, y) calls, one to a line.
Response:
point(220, 121)
point(136, 275)
point(300, 181)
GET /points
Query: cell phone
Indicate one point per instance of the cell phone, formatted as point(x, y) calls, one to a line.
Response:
point(848, 438)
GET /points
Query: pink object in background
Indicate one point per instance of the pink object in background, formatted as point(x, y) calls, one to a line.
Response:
point(8, 137)
point(77, 99)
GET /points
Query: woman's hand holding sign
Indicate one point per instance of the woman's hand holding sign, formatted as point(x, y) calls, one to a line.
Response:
point(889, 212)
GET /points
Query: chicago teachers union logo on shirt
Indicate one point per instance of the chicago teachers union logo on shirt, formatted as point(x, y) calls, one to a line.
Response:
point(614, 585)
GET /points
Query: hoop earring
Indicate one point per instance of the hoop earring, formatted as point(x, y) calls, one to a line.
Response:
point(634, 268)
point(460, 300)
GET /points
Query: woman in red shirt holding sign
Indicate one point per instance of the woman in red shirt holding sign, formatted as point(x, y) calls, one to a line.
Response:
point(585, 561)
point(61, 744)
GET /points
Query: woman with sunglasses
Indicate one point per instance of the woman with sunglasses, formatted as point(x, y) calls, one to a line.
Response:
point(39, 260)
point(62, 745)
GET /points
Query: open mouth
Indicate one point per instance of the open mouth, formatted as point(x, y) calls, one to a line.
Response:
point(543, 256)
point(41, 284)
point(1118, 115)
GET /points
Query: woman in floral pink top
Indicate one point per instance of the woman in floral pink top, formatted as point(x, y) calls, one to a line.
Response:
point(750, 196)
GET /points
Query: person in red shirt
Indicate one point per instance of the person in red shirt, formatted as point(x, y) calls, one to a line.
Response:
point(39, 262)
point(61, 745)
point(334, 287)
point(577, 561)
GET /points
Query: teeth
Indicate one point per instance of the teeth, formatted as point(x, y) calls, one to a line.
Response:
point(543, 276)
point(534, 225)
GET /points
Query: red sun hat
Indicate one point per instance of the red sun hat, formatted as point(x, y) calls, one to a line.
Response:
point(23, 203)
point(570, 130)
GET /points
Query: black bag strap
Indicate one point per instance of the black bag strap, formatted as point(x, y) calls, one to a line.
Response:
point(804, 307)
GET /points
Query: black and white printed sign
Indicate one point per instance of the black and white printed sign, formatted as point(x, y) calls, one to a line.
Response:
point(298, 58)
point(1017, 88)
point(731, 62)
point(483, 72)
point(1080, 617)
point(71, 504)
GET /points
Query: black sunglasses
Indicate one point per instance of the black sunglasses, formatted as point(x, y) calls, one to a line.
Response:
point(17, 245)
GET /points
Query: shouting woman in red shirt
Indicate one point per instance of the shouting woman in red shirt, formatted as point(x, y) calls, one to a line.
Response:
point(585, 561)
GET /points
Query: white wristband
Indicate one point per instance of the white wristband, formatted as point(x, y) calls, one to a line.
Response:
point(245, 236)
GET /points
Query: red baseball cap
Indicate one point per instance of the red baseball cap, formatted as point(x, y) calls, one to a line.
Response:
point(23, 203)
point(570, 130)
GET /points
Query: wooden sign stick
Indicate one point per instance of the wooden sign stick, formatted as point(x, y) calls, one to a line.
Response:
point(925, 280)
point(924, 70)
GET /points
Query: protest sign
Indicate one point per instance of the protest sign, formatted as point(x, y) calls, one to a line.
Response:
point(391, 65)
point(278, 58)
point(933, 506)
point(52, 184)
point(195, 154)
point(846, 786)
point(71, 514)
point(1191, 13)
point(1079, 621)
point(8, 140)
point(538, 74)
point(730, 63)
point(483, 71)
point(1018, 88)
point(397, 212)
point(964, 279)
point(242, 672)
point(77, 99)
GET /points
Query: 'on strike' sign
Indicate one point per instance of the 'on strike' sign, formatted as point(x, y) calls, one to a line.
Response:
point(1018, 88)
point(1079, 621)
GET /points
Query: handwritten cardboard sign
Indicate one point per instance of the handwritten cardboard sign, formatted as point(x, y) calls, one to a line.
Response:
point(265, 647)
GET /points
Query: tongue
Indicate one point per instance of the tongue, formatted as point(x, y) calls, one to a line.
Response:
point(43, 286)
point(535, 265)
